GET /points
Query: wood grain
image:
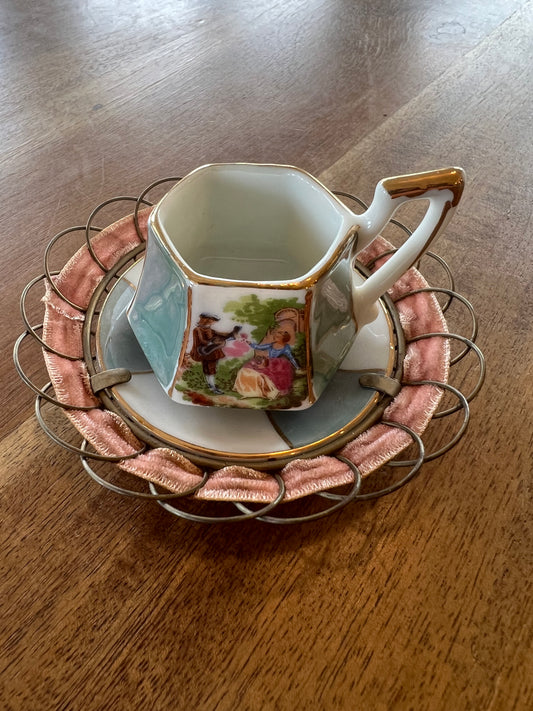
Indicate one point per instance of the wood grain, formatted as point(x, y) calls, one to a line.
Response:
point(420, 600)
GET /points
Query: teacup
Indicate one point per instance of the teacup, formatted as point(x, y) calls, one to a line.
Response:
point(249, 296)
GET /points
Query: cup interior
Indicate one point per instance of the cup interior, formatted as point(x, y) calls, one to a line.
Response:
point(251, 223)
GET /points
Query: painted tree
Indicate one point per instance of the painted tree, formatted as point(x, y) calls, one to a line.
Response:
point(259, 313)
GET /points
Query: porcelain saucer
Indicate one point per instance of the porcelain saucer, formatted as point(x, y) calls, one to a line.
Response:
point(218, 436)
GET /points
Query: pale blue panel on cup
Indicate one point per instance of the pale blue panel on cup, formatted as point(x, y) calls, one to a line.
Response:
point(332, 324)
point(158, 313)
point(119, 347)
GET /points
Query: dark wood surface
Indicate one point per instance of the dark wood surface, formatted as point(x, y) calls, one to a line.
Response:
point(419, 600)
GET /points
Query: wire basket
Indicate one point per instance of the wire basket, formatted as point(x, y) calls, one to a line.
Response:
point(278, 507)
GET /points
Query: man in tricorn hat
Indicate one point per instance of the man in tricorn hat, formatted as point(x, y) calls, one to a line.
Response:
point(207, 345)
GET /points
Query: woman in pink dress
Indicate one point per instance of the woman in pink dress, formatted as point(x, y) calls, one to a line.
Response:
point(271, 375)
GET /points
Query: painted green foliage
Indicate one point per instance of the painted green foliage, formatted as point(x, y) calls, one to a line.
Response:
point(260, 314)
point(227, 370)
point(193, 382)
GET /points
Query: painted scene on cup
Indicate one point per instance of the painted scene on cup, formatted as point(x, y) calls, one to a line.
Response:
point(259, 362)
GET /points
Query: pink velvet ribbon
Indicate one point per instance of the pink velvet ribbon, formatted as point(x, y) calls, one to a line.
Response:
point(414, 406)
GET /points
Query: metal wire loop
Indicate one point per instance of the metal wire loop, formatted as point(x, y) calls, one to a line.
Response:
point(452, 295)
point(131, 492)
point(444, 264)
point(197, 518)
point(32, 330)
point(415, 464)
point(88, 226)
point(41, 391)
point(58, 236)
point(71, 447)
point(342, 501)
point(463, 404)
point(141, 199)
point(361, 203)
point(357, 474)
point(471, 346)
point(372, 263)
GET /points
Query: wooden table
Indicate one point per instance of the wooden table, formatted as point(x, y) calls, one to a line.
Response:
point(418, 600)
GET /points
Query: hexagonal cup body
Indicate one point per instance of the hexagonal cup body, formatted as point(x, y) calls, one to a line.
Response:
point(245, 298)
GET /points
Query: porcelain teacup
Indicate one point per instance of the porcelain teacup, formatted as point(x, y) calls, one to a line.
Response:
point(249, 297)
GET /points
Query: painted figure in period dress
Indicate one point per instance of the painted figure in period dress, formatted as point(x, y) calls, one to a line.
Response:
point(207, 347)
point(270, 373)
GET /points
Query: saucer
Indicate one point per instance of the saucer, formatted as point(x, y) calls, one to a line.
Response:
point(217, 436)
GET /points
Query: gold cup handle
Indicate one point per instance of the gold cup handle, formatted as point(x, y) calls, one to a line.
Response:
point(442, 188)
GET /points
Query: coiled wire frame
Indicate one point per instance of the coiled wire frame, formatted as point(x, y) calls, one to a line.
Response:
point(330, 501)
